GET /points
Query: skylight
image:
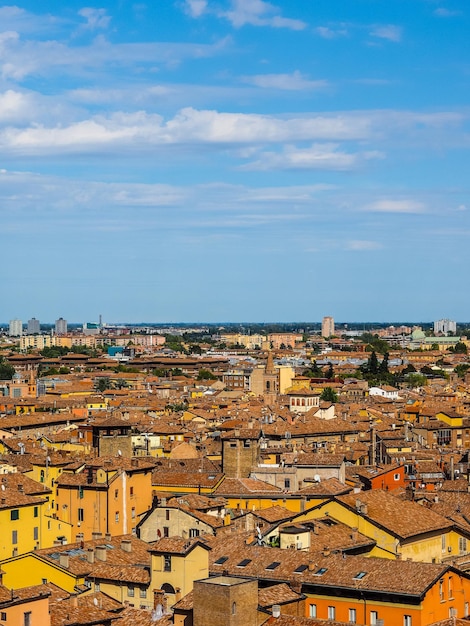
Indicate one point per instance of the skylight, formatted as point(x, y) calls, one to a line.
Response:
point(244, 563)
point(359, 576)
point(320, 571)
point(300, 569)
point(221, 560)
point(273, 565)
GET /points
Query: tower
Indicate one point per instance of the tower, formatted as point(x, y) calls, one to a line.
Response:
point(327, 327)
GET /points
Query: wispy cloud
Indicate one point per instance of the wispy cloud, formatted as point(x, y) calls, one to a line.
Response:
point(317, 157)
point(388, 32)
point(195, 8)
point(361, 245)
point(95, 18)
point(443, 12)
point(395, 206)
point(259, 13)
point(329, 32)
point(289, 82)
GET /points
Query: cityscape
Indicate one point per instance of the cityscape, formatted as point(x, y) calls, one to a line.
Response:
point(234, 326)
point(290, 474)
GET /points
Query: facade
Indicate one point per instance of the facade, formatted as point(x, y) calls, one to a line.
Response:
point(444, 327)
point(34, 326)
point(61, 326)
point(15, 328)
point(327, 327)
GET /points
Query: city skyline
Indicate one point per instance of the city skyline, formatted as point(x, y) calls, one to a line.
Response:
point(234, 160)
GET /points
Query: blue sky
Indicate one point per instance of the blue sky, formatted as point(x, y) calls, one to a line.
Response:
point(235, 160)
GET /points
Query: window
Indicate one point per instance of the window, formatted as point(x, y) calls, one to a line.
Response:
point(167, 563)
point(194, 532)
point(313, 610)
point(3, 616)
point(166, 531)
point(359, 575)
point(14, 514)
point(14, 537)
point(130, 591)
point(36, 511)
point(80, 492)
point(374, 616)
point(443, 543)
point(462, 545)
point(450, 587)
point(131, 491)
point(36, 533)
point(116, 517)
point(116, 493)
point(352, 616)
point(320, 571)
point(133, 512)
point(143, 592)
point(407, 620)
point(273, 565)
point(244, 563)
point(396, 477)
point(221, 560)
point(331, 612)
point(287, 483)
point(97, 586)
point(27, 618)
point(234, 608)
point(167, 515)
point(441, 589)
point(80, 515)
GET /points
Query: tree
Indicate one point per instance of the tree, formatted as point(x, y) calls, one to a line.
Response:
point(102, 384)
point(416, 380)
point(7, 371)
point(204, 374)
point(329, 395)
point(330, 372)
point(460, 348)
point(383, 367)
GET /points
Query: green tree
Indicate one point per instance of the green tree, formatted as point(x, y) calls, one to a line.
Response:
point(329, 395)
point(330, 373)
point(383, 367)
point(416, 380)
point(205, 374)
point(7, 371)
point(102, 384)
point(460, 348)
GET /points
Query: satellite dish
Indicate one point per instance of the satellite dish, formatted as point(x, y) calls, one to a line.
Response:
point(317, 478)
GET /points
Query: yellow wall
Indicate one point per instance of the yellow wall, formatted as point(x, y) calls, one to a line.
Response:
point(31, 569)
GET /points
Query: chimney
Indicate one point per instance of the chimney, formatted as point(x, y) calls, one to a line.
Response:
point(126, 545)
point(108, 537)
point(95, 535)
point(354, 534)
point(276, 610)
point(64, 560)
point(100, 553)
point(326, 551)
point(20, 488)
point(312, 566)
point(90, 555)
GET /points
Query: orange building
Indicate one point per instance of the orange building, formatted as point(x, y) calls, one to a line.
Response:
point(106, 496)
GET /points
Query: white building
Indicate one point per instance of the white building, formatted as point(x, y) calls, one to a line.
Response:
point(61, 326)
point(445, 327)
point(34, 326)
point(16, 328)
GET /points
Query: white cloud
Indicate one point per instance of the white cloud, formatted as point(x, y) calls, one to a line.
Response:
point(259, 13)
point(360, 245)
point(443, 12)
point(395, 206)
point(289, 82)
point(326, 32)
point(317, 157)
point(389, 32)
point(96, 18)
point(195, 8)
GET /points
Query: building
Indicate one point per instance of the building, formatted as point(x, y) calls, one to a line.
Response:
point(445, 327)
point(16, 328)
point(34, 327)
point(61, 326)
point(327, 327)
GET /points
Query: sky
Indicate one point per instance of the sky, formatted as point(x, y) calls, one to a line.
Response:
point(235, 160)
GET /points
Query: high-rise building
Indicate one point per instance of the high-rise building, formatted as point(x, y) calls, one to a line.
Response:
point(34, 326)
point(445, 327)
point(327, 327)
point(16, 328)
point(61, 326)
